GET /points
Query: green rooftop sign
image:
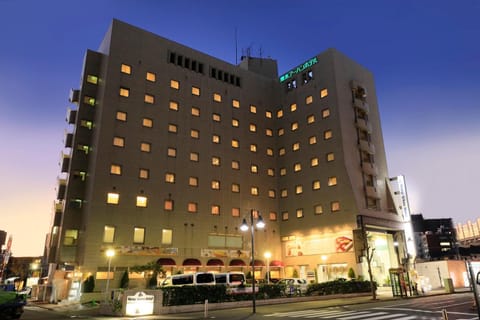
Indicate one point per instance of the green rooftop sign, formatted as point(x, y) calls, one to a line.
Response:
point(298, 69)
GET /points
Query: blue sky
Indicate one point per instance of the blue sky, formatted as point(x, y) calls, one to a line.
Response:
point(425, 56)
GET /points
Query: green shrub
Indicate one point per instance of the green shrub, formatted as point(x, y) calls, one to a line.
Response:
point(339, 286)
point(89, 284)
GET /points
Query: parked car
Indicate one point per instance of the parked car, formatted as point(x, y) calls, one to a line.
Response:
point(192, 279)
point(294, 286)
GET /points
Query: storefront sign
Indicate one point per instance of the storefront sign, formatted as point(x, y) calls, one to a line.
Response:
point(140, 304)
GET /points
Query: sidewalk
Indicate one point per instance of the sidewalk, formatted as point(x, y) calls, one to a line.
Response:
point(383, 293)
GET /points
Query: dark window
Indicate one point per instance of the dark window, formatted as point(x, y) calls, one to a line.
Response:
point(180, 60)
point(173, 57)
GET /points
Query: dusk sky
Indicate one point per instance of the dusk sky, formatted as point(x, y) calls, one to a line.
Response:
point(425, 56)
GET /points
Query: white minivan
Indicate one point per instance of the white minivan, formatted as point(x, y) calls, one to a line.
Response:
point(191, 279)
point(232, 278)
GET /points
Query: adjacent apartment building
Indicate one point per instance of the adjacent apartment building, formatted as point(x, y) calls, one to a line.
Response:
point(169, 149)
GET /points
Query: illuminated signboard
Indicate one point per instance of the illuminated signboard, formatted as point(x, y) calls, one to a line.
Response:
point(298, 69)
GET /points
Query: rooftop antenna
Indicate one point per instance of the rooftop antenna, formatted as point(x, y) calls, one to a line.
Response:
point(236, 47)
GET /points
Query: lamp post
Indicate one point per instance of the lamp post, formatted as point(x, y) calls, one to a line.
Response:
point(244, 227)
point(267, 256)
point(110, 253)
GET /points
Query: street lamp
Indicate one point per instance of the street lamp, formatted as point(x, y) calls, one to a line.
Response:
point(244, 227)
point(110, 253)
point(267, 256)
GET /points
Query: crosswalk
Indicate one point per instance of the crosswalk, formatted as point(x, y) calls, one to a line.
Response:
point(341, 314)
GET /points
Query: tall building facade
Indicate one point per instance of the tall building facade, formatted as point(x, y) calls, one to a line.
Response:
point(170, 148)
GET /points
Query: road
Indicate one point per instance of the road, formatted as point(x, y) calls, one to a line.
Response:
point(457, 307)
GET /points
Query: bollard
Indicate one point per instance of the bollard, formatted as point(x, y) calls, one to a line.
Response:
point(444, 314)
point(205, 309)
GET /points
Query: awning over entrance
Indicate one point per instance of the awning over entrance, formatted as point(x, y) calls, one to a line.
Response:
point(276, 263)
point(191, 262)
point(237, 263)
point(258, 263)
point(215, 262)
point(166, 262)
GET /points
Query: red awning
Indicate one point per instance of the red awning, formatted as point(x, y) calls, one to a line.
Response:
point(258, 263)
point(191, 262)
point(166, 262)
point(237, 263)
point(276, 263)
point(215, 262)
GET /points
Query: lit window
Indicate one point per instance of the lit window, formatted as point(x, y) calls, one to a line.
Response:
point(298, 189)
point(235, 143)
point(235, 103)
point(271, 193)
point(314, 162)
point(168, 205)
point(330, 156)
point(235, 123)
point(138, 235)
point(280, 132)
point(141, 201)
point(318, 209)
point(215, 210)
point(145, 147)
point(193, 181)
point(279, 113)
point(121, 116)
point(327, 134)
point(194, 133)
point(119, 142)
point(325, 113)
point(293, 107)
point(235, 187)
point(254, 168)
point(167, 236)
point(125, 68)
point(86, 124)
point(174, 84)
point(294, 126)
point(192, 207)
point(335, 206)
point(195, 112)
point(268, 114)
point(108, 234)
point(70, 238)
point(311, 119)
point(308, 100)
point(316, 185)
point(299, 213)
point(149, 99)
point(297, 167)
point(195, 91)
point(172, 152)
point(271, 172)
point(215, 185)
point(272, 216)
point(217, 97)
point(215, 161)
point(216, 117)
point(281, 151)
point(170, 177)
point(283, 171)
point(235, 165)
point(116, 169)
point(124, 92)
point(285, 215)
point(269, 132)
point(323, 93)
point(216, 138)
point(150, 76)
point(296, 146)
point(253, 127)
point(173, 105)
point(90, 100)
point(312, 140)
point(143, 173)
point(283, 193)
point(194, 156)
point(113, 198)
point(235, 212)
point(332, 181)
point(254, 191)
point(146, 122)
point(92, 79)
point(253, 109)
point(172, 128)
point(270, 152)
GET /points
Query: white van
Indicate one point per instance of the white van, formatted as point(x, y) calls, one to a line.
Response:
point(230, 278)
point(191, 279)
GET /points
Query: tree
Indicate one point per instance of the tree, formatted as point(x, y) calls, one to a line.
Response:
point(125, 280)
point(89, 284)
point(152, 267)
point(351, 273)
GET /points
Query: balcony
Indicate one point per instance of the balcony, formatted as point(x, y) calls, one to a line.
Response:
point(371, 192)
point(367, 147)
point(65, 162)
point(364, 125)
point(370, 168)
point(71, 116)
point(61, 189)
point(357, 103)
point(58, 206)
point(74, 96)
point(68, 140)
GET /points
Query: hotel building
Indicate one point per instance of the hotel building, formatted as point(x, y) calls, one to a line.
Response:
point(169, 149)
